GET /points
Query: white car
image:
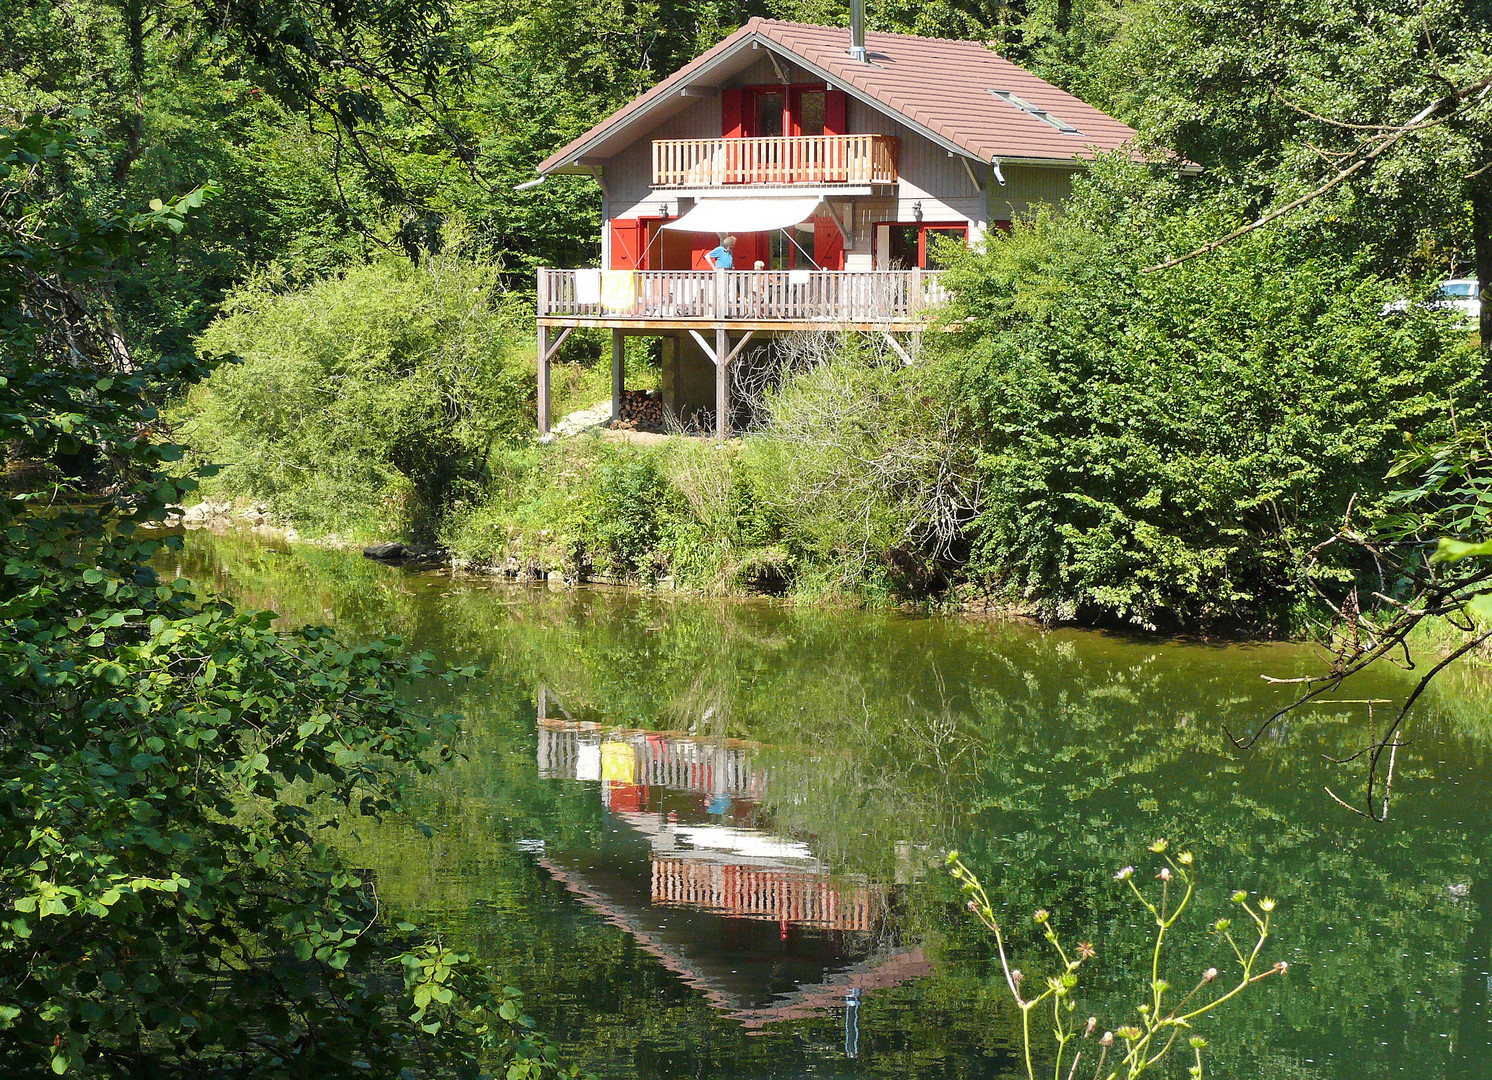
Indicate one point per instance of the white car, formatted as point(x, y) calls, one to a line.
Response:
point(1457, 294)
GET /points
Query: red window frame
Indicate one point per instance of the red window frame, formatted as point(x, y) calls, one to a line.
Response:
point(923, 228)
point(738, 117)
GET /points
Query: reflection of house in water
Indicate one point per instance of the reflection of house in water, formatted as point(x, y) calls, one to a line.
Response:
point(755, 921)
point(783, 896)
point(572, 751)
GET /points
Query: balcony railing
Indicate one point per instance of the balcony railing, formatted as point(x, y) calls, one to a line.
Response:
point(832, 297)
point(782, 162)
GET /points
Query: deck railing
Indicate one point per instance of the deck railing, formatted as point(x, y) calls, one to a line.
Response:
point(775, 162)
point(766, 296)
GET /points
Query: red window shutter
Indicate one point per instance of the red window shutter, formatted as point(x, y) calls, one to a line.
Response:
point(703, 245)
point(732, 113)
point(626, 244)
point(828, 244)
point(836, 109)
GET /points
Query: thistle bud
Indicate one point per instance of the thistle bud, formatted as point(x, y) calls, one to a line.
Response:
point(1165, 873)
point(974, 905)
point(1041, 915)
point(1125, 874)
point(1240, 896)
point(1266, 905)
point(1185, 858)
point(1107, 1040)
point(1159, 846)
point(1017, 977)
point(1209, 975)
point(1282, 967)
point(1092, 1023)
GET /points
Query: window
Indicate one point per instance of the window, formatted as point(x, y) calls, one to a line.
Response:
point(1461, 290)
point(768, 111)
point(774, 111)
point(901, 245)
point(1040, 114)
point(807, 113)
point(935, 241)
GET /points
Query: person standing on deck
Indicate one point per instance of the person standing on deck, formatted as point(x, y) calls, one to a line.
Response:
point(721, 258)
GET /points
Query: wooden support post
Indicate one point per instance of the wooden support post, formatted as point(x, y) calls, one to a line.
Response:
point(896, 347)
point(722, 383)
point(618, 372)
point(543, 380)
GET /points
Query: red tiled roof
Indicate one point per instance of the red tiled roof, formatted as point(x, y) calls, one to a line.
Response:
point(936, 84)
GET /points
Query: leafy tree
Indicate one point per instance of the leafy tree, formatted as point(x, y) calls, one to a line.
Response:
point(1275, 99)
point(171, 767)
point(1162, 446)
point(373, 398)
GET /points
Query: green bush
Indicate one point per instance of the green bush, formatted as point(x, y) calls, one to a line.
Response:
point(858, 457)
point(371, 401)
point(1159, 446)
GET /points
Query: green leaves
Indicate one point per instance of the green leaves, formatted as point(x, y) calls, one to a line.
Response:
point(165, 892)
point(1450, 550)
point(1159, 448)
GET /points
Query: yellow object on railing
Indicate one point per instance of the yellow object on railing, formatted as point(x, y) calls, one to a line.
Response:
point(618, 290)
point(618, 763)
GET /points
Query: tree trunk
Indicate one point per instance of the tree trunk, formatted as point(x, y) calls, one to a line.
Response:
point(1481, 239)
point(133, 12)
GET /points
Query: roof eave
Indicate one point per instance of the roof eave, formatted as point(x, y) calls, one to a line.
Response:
point(568, 160)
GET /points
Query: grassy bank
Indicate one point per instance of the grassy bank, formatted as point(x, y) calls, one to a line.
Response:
point(691, 513)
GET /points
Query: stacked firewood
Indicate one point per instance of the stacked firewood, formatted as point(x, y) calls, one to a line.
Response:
point(642, 410)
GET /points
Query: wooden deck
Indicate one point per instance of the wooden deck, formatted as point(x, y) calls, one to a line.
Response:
point(738, 299)
point(807, 160)
point(722, 310)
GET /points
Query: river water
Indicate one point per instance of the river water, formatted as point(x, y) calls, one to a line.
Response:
point(705, 838)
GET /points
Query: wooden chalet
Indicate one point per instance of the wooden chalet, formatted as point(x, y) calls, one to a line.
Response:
point(837, 158)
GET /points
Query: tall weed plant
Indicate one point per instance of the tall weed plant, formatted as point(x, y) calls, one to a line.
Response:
point(371, 401)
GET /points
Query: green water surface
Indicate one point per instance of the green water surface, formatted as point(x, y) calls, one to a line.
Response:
point(705, 838)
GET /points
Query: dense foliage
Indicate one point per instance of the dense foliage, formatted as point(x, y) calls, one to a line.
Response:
point(370, 400)
point(1162, 446)
point(173, 770)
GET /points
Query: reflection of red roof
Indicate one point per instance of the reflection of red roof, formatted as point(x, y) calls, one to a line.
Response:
point(936, 85)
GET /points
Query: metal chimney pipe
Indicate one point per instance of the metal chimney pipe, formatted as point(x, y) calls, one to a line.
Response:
point(857, 31)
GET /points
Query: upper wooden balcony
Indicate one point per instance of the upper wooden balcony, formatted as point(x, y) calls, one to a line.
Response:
point(791, 161)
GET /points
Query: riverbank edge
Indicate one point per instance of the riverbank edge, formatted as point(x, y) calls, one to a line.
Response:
point(967, 600)
point(255, 517)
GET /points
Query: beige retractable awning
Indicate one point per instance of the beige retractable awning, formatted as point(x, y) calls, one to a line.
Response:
point(736, 215)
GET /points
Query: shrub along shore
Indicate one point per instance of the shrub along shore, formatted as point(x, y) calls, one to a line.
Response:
point(1096, 444)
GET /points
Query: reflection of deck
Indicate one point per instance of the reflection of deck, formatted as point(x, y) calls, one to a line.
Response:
point(884, 968)
point(574, 751)
point(783, 896)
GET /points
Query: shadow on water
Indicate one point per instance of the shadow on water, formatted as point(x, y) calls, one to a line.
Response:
point(705, 838)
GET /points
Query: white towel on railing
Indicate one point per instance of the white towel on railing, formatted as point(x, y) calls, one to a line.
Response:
point(587, 286)
point(797, 277)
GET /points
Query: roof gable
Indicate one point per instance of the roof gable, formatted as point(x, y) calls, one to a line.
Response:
point(942, 88)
